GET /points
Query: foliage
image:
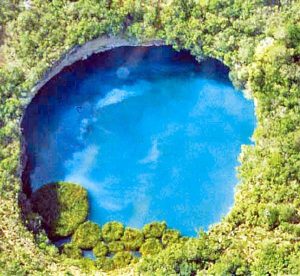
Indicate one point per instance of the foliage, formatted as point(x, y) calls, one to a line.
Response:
point(122, 259)
point(272, 259)
point(170, 236)
point(9, 10)
point(258, 40)
point(183, 258)
point(112, 231)
point(100, 249)
point(151, 246)
point(87, 235)
point(116, 246)
point(63, 206)
point(230, 265)
point(154, 229)
point(71, 251)
point(133, 239)
point(105, 264)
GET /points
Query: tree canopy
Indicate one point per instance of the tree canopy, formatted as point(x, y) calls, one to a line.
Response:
point(259, 40)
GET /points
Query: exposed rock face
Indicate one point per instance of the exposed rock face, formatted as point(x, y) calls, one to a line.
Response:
point(97, 45)
point(101, 44)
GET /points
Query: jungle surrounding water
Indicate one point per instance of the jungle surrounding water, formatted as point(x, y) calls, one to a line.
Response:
point(150, 133)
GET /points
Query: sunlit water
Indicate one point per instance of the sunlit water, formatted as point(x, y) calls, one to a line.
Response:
point(151, 133)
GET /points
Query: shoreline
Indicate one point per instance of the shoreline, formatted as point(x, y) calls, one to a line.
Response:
point(82, 52)
point(77, 53)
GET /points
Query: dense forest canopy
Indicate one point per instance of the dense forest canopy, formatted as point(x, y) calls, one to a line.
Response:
point(259, 40)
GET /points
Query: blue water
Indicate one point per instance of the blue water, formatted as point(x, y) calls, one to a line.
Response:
point(151, 133)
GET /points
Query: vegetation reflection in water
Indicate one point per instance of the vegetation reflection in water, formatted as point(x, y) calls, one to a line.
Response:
point(149, 132)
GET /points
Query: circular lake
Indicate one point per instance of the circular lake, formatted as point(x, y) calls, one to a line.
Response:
point(148, 131)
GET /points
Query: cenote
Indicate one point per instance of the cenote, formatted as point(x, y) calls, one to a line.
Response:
point(151, 134)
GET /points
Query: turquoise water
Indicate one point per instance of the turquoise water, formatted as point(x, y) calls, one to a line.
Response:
point(151, 133)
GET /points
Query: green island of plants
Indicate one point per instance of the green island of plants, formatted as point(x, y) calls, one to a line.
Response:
point(62, 206)
point(112, 231)
point(100, 249)
point(133, 239)
point(259, 41)
point(87, 235)
point(71, 250)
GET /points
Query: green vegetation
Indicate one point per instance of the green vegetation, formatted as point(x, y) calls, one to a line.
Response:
point(116, 246)
point(259, 40)
point(112, 231)
point(62, 206)
point(151, 246)
point(71, 251)
point(122, 259)
point(110, 244)
point(170, 236)
point(154, 229)
point(133, 239)
point(100, 249)
point(105, 264)
point(87, 235)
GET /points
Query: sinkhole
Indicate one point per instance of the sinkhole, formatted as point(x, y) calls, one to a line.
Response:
point(150, 133)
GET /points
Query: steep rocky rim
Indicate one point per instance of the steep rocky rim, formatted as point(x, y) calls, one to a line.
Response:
point(82, 52)
point(77, 53)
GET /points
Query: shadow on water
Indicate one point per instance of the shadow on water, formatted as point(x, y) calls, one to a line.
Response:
point(45, 203)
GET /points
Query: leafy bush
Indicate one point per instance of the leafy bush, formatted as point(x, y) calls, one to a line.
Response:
point(71, 251)
point(116, 246)
point(230, 265)
point(133, 239)
point(100, 250)
point(288, 214)
point(151, 246)
point(293, 229)
point(105, 263)
point(271, 217)
point(62, 206)
point(170, 236)
point(112, 231)
point(87, 235)
point(122, 259)
point(258, 40)
point(154, 229)
point(86, 265)
point(271, 259)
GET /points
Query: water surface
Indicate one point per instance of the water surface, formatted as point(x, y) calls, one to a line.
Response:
point(151, 133)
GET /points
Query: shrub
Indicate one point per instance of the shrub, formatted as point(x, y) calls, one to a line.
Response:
point(230, 265)
point(170, 236)
point(291, 228)
point(271, 259)
point(87, 235)
point(116, 246)
point(112, 231)
point(63, 207)
point(154, 229)
point(288, 214)
point(151, 246)
point(271, 217)
point(133, 239)
point(105, 264)
point(297, 141)
point(100, 250)
point(86, 265)
point(122, 259)
point(72, 251)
